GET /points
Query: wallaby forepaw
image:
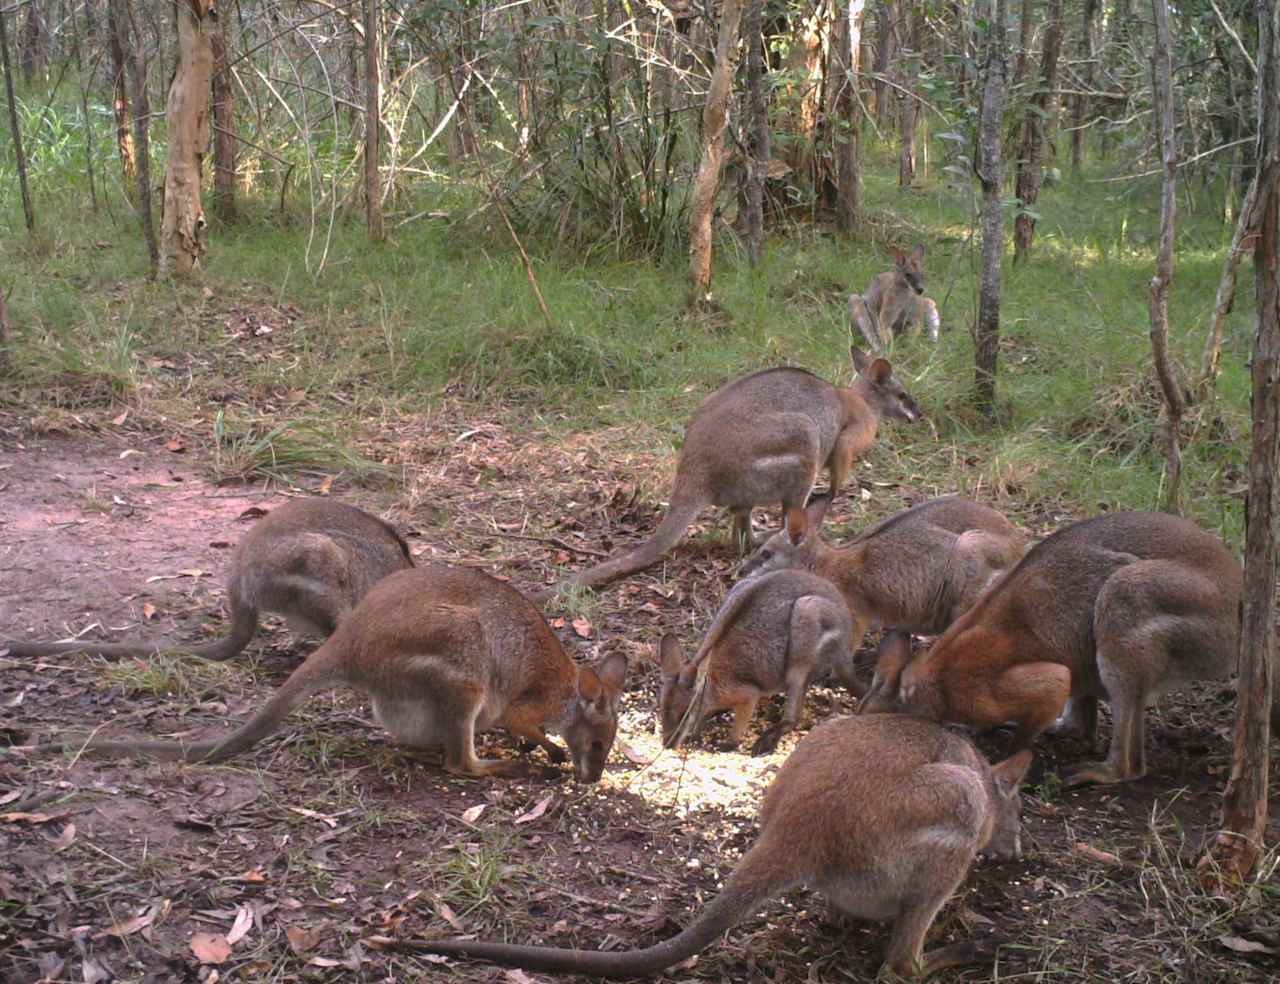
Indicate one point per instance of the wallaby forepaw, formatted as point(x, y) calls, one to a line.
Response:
point(556, 754)
point(767, 743)
point(1095, 773)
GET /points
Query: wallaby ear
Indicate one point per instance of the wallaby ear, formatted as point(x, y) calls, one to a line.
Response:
point(860, 359)
point(670, 655)
point(899, 258)
point(879, 372)
point(1010, 773)
point(797, 522)
point(612, 672)
point(816, 511)
point(589, 686)
point(917, 254)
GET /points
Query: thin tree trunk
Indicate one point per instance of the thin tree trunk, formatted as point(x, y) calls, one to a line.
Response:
point(117, 32)
point(1239, 844)
point(1225, 297)
point(1080, 102)
point(887, 21)
point(1158, 291)
point(715, 117)
point(224, 127)
point(848, 112)
point(122, 11)
point(4, 325)
point(1030, 170)
point(84, 108)
point(989, 169)
point(34, 45)
point(182, 227)
point(909, 102)
point(1025, 21)
point(372, 120)
point(28, 210)
point(758, 136)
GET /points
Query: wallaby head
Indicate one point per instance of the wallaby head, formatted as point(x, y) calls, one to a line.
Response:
point(911, 267)
point(1005, 843)
point(796, 545)
point(592, 720)
point(878, 386)
point(679, 680)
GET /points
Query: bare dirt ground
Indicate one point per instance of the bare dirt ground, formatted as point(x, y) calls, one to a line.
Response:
point(315, 854)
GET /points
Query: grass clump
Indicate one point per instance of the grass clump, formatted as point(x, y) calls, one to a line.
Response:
point(241, 455)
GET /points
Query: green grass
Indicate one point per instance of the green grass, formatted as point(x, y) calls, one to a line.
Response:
point(446, 306)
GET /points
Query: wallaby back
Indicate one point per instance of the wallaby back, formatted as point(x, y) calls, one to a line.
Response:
point(882, 814)
point(774, 633)
point(442, 652)
point(762, 439)
point(310, 560)
point(1122, 607)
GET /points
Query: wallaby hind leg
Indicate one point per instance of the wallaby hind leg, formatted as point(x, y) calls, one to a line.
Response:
point(1035, 694)
point(861, 318)
point(906, 956)
point(1079, 720)
point(460, 749)
point(743, 541)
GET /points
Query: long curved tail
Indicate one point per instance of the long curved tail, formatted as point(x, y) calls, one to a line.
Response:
point(756, 879)
point(244, 623)
point(683, 510)
point(321, 671)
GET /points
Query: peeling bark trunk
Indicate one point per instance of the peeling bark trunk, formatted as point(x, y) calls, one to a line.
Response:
point(909, 103)
point(805, 65)
point(122, 13)
point(182, 227)
point(758, 136)
point(117, 30)
point(990, 167)
point(28, 211)
point(372, 120)
point(1239, 844)
point(224, 127)
point(1031, 153)
point(1080, 102)
point(715, 118)
point(848, 114)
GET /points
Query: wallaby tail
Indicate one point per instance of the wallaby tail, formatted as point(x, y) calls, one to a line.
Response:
point(321, 671)
point(756, 879)
point(683, 510)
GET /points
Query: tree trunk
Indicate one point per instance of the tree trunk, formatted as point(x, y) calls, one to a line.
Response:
point(805, 66)
point(1025, 21)
point(182, 227)
point(122, 11)
point(715, 117)
point(28, 210)
point(909, 102)
point(1239, 844)
point(887, 21)
point(758, 136)
point(1030, 154)
point(372, 120)
point(34, 45)
point(224, 127)
point(848, 117)
point(76, 42)
point(1080, 102)
point(990, 174)
point(4, 325)
point(1158, 291)
point(117, 31)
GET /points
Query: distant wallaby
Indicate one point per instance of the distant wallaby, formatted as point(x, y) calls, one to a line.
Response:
point(1123, 607)
point(773, 633)
point(310, 560)
point(882, 815)
point(762, 439)
point(917, 571)
point(894, 300)
point(443, 652)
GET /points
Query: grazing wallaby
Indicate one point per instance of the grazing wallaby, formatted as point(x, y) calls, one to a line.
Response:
point(310, 560)
point(882, 815)
point(894, 300)
point(773, 633)
point(443, 652)
point(1123, 607)
point(917, 571)
point(762, 439)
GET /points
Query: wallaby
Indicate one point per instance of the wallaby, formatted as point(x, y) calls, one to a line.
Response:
point(310, 560)
point(1123, 607)
point(917, 570)
point(762, 439)
point(881, 814)
point(894, 300)
point(773, 633)
point(443, 652)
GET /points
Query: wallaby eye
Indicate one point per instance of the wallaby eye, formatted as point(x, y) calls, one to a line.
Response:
point(597, 745)
point(766, 554)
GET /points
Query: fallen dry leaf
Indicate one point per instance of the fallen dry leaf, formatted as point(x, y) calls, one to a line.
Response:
point(25, 817)
point(630, 753)
point(1095, 854)
point(64, 839)
point(326, 486)
point(252, 875)
point(302, 939)
point(1241, 945)
point(472, 813)
point(240, 928)
point(449, 916)
point(121, 419)
point(516, 977)
point(582, 627)
point(148, 610)
point(210, 948)
point(538, 810)
point(176, 445)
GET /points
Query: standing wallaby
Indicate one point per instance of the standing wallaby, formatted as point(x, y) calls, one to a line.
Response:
point(882, 815)
point(916, 571)
point(443, 652)
point(773, 633)
point(762, 439)
point(1123, 607)
point(310, 560)
point(894, 300)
